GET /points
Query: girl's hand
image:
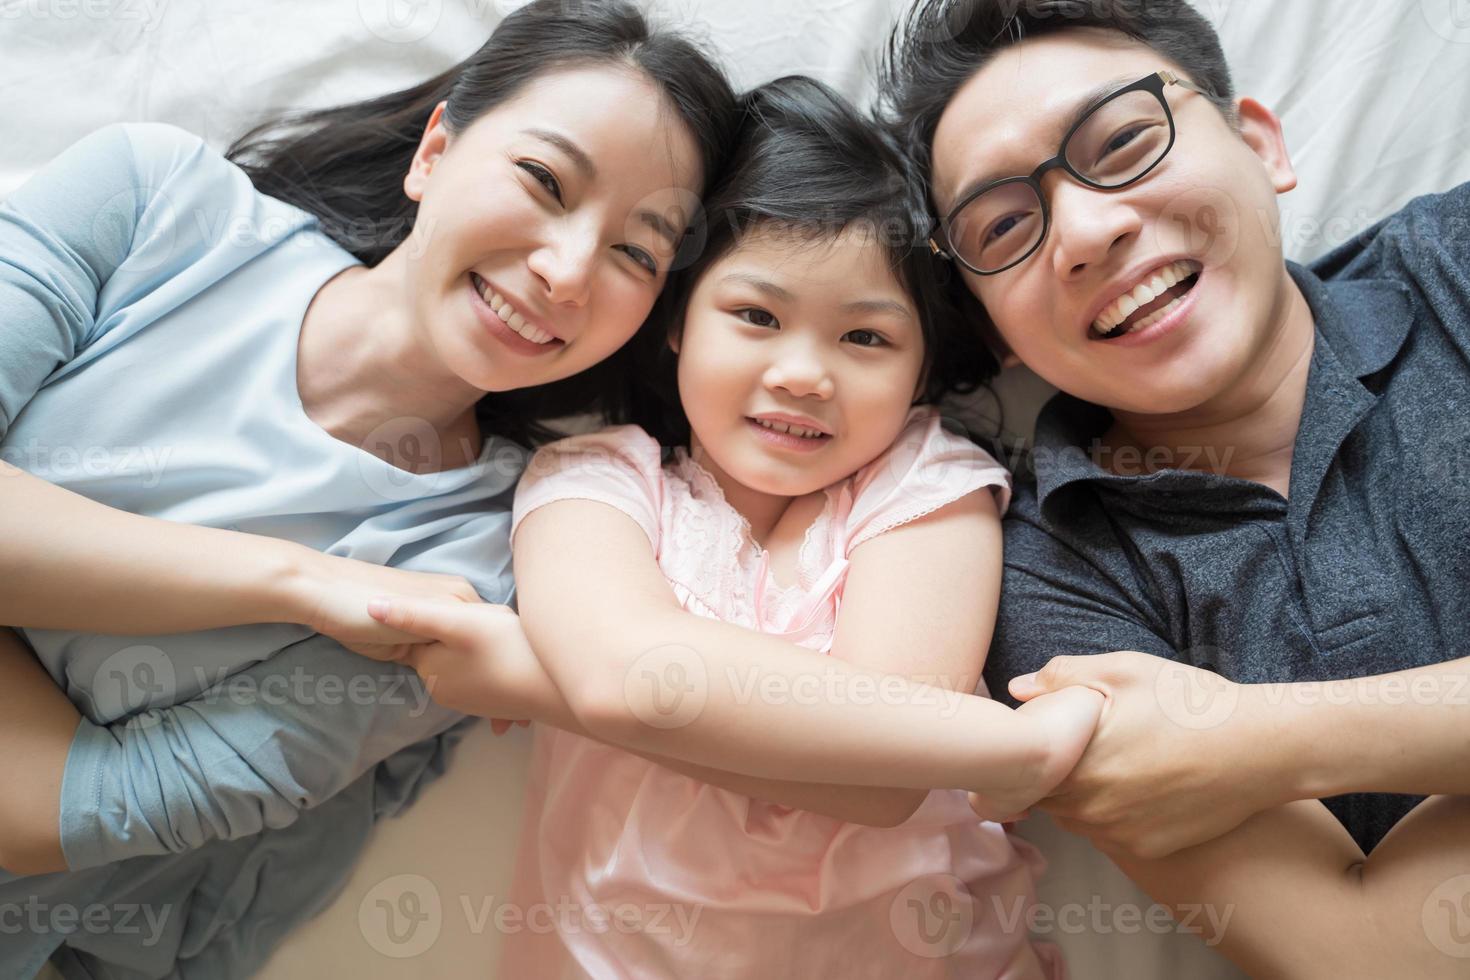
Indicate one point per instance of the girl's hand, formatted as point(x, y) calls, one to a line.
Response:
point(331, 594)
point(474, 657)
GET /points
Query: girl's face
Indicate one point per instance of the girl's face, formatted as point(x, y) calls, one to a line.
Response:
point(819, 333)
point(545, 228)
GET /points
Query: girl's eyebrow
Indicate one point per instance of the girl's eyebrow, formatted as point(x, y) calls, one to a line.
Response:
point(860, 307)
point(878, 306)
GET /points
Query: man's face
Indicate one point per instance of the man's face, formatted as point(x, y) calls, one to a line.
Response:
point(1208, 209)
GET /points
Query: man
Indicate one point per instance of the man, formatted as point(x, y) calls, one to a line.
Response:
point(1256, 473)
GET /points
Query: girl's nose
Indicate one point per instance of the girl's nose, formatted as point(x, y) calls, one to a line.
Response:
point(800, 374)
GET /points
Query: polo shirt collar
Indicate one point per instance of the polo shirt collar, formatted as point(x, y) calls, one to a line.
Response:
point(1364, 323)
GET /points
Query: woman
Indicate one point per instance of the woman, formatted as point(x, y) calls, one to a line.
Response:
point(220, 387)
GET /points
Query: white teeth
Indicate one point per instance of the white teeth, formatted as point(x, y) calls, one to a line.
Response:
point(512, 318)
point(1130, 303)
point(789, 429)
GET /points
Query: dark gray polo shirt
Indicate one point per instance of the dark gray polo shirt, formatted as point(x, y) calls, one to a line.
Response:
point(1365, 570)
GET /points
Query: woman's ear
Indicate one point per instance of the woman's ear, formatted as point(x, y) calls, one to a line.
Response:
point(1260, 128)
point(431, 147)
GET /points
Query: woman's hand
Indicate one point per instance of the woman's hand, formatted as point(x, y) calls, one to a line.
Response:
point(330, 594)
point(472, 657)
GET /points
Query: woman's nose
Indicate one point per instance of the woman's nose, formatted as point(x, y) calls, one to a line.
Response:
point(565, 265)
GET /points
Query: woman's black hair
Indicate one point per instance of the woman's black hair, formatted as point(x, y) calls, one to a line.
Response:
point(806, 162)
point(346, 164)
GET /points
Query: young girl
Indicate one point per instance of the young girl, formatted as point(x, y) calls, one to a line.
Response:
point(764, 810)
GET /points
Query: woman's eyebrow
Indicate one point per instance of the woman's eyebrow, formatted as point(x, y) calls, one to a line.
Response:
point(578, 156)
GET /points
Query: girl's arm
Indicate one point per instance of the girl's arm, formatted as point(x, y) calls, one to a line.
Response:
point(638, 671)
point(1292, 896)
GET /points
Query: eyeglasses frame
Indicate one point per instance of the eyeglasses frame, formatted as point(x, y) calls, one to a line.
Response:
point(1154, 83)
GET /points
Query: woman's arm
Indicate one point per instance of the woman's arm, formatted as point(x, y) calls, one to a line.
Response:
point(72, 563)
point(1298, 899)
point(39, 723)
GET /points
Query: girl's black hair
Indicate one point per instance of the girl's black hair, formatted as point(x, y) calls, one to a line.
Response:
point(807, 162)
point(346, 164)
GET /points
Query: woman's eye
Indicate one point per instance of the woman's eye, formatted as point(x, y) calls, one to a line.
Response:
point(876, 340)
point(544, 177)
point(757, 317)
point(641, 257)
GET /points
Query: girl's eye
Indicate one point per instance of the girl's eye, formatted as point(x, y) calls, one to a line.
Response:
point(544, 177)
point(642, 258)
point(877, 340)
point(757, 317)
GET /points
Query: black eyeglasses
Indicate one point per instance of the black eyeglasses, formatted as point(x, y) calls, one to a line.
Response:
point(1128, 134)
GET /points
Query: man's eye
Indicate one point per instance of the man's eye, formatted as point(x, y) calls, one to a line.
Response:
point(641, 257)
point(757, 317)
point(544, 177)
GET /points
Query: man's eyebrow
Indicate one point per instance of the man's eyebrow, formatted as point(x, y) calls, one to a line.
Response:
point(1086, 104)
point(578, 155)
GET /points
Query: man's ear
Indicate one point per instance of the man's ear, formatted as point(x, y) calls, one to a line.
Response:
point(431, 147)
point(1260, 128)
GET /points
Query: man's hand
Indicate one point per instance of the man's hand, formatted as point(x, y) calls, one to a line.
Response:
point(1172, 764)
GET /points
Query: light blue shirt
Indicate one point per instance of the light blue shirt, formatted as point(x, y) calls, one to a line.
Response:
point(221, 783)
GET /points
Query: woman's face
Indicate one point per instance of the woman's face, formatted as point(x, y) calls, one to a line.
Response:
point(546, 228)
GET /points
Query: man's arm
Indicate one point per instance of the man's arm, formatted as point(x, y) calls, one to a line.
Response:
point(1289, 894)
point(1183, 755)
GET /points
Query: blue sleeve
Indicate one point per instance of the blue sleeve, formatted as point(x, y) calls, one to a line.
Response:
point(269, 742)
point(62, 235)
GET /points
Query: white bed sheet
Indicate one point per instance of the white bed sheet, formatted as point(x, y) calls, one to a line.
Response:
point(1374, 94)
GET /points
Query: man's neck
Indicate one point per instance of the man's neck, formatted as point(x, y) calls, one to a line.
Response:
point(1248, 432)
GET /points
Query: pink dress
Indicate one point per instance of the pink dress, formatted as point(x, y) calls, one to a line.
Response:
point(627, 869)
